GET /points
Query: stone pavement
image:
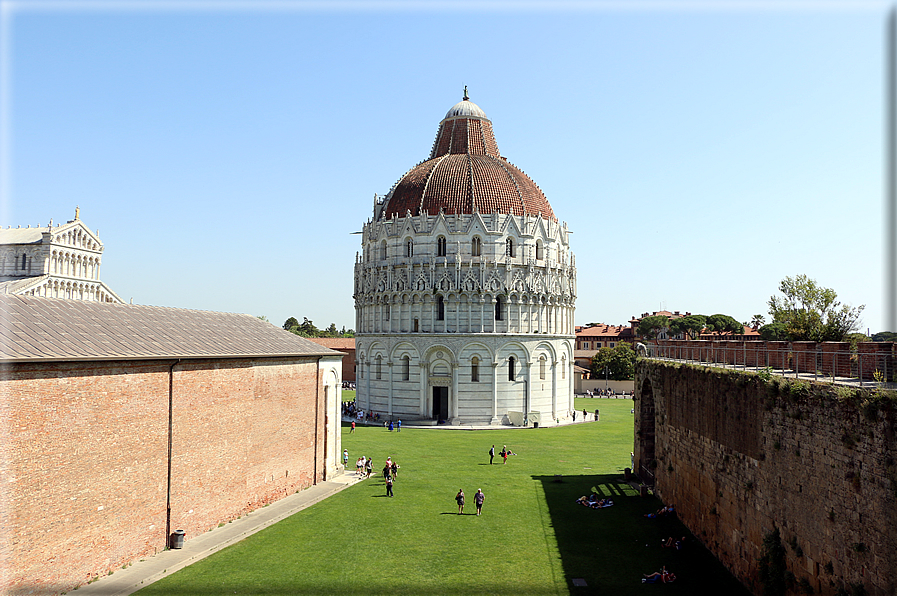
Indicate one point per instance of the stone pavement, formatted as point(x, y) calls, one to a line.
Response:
point(154, 568)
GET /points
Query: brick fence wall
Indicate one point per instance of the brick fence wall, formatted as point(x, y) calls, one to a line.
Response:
point(85, 466)
point(739, 457)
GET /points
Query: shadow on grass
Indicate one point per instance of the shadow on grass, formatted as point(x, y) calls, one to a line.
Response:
point(611, 548)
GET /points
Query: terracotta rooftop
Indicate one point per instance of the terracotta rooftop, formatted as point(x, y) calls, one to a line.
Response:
point(335, 343)
point(46, 329)
point(466, 174)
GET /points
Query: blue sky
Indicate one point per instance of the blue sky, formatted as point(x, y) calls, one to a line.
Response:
point(700, 152)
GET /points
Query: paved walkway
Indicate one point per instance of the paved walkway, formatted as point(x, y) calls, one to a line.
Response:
point(152, 569)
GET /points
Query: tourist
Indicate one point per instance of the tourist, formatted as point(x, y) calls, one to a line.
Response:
point(346, 458)
point(390, 426)
point(394, 469)
point(491, 454)
point(388, 485)
point(399, 426)
point(478, 500)
point(359, 466)
point(504, 454)
point(352, 431)
point(369, 467)
point(460, 499)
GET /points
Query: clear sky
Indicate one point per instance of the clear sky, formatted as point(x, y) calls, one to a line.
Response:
point(699, 151)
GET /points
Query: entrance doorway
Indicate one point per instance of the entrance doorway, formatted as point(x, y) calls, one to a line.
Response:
point(440, 403)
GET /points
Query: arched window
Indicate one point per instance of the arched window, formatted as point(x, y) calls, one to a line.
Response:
point(512, 372)
point(475, 369)
point(409, 247)
point(406, 368)
point(386, 308)
point(379, 367)
point(23, 261)
point(563, 367)
point(510, 248)
point(539, 250)
point(383, 249)
point(542, 368)
point(475, 246)
point(498, 308)
point(440, 309)
point(440, 246)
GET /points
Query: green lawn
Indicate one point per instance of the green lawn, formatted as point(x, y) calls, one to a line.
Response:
point(531, 539)
point(348, 395)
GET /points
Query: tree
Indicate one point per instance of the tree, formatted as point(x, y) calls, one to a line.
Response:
point(650, 327)
point(331, 331)
point(884, 336)
point(757, 321)
point(306, 329)
point(290, 323)
point(723, 324)
point(773, 332)
point(811, 312)
point(690, 325)
point(262, 318)
point(619, 361)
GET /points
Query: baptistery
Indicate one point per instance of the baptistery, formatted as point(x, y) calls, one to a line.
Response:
point(464, 290)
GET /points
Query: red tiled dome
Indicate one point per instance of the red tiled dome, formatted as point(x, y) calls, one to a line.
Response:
point(466, 174)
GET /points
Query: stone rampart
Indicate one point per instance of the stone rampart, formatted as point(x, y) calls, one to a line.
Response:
point(741, 454)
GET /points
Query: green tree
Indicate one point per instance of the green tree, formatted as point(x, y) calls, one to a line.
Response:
point(757, 321)
point(307, 329)
point(619, 361)
point(690, 325)
point(262, 318)
point(331, 331)
point(290, 324)
point(723, 324)
point(811, 312)
point(884, 336)
point(773, 332)
point(650, 327)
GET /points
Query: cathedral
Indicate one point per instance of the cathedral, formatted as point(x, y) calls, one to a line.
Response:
point(464, 290)
point(53, 262)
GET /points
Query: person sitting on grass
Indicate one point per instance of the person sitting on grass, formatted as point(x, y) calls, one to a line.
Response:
point(673, 543)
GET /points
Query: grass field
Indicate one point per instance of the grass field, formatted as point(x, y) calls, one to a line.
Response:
point(531, 539)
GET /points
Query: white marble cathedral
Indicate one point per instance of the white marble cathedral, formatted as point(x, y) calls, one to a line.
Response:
point(61, 261)
point(465, 290)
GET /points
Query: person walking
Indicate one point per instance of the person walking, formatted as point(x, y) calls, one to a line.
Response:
point(369, 467)
point(460, 499)
point(388, 485)
point(504, 454)
point(352, 431)
point(491, 454)
point(399, 426)
point(478, 500)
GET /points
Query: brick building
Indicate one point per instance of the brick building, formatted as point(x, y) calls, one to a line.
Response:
point(346, 345)
point(124, 423)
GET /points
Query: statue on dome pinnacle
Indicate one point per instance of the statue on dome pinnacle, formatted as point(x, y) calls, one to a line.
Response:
point(465, 98)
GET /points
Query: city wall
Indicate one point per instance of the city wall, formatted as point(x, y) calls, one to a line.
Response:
point(84, 477)
point(741, 454)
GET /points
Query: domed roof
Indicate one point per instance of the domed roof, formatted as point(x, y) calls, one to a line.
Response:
point(466, 174)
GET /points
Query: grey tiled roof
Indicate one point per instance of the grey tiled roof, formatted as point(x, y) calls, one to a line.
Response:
point(35, 329)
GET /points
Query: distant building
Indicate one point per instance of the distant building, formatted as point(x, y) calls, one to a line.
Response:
point(600, 336)
point(346, 345)
point(53, 262)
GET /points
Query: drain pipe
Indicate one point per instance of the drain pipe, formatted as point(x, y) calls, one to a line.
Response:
point(317, 415)
point(170, 442)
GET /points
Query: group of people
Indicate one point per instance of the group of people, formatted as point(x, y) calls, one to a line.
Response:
point(663, 575)
point(594, 501)
point(478, 500)
point(351, 411)
point(662, 512)
point(607, 393)
point(504, 453)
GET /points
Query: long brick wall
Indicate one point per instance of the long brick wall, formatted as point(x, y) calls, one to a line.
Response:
point(85, 462)
point(740, 456)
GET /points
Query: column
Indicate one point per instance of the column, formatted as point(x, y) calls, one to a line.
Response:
point(496, 419)
point(554, 390)
point(389, 369)
point(453, 397)
point(422, 366)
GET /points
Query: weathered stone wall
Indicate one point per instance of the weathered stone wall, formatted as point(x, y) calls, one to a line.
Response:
point(739, 456)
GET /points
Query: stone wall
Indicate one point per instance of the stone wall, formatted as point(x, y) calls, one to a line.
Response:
point(740, 455)
point(84, 472)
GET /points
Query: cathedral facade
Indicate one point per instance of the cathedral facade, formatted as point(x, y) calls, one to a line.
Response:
point(465, 290)
point(54, 262)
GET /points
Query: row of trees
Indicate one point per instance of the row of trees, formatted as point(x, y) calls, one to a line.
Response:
point(806, 311)
point(692, 326)
point(307, 329)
